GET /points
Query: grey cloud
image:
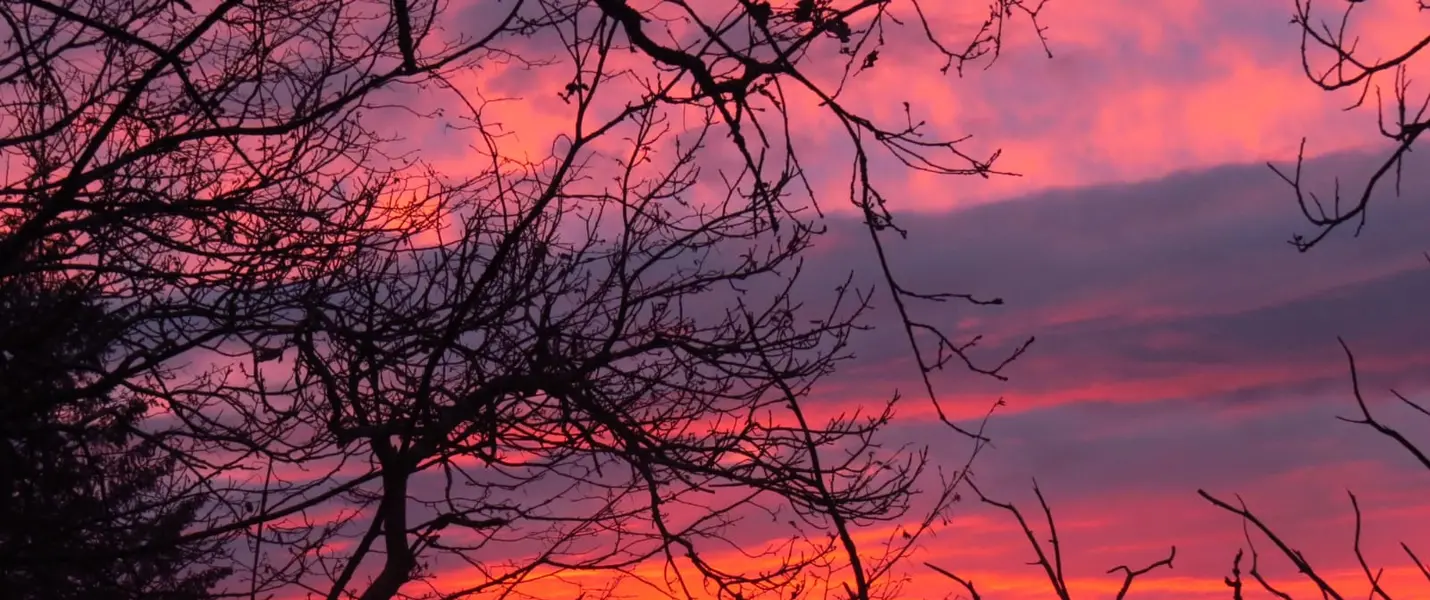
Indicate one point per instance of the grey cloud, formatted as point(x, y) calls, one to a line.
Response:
point(1201, 254)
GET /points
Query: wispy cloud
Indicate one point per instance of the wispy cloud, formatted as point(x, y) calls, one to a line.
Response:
point(1182, 342)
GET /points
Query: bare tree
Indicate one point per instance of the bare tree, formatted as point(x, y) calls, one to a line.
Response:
point(1402, 120)
point(1334, 59)
point(1323, 586)
point(1050, 558)
point(199, 162)
point(583, 362)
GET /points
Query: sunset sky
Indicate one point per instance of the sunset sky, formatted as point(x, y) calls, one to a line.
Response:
point(1182, 343)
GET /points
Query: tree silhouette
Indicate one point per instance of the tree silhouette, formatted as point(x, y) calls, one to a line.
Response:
point(76, 482)
point(1402, 120)
point(1324, 587)
point(529, 367)
point(1401, 117)
point(1050, 558)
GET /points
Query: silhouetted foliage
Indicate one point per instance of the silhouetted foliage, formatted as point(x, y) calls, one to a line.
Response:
point(578, 362)
point(88, 508)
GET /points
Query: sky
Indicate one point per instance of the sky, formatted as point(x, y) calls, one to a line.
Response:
point(1182, 344)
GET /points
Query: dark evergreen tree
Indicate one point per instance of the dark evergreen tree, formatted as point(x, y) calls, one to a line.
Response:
point(89, 508)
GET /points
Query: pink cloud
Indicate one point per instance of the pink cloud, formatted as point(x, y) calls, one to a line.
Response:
point(1138, 90)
